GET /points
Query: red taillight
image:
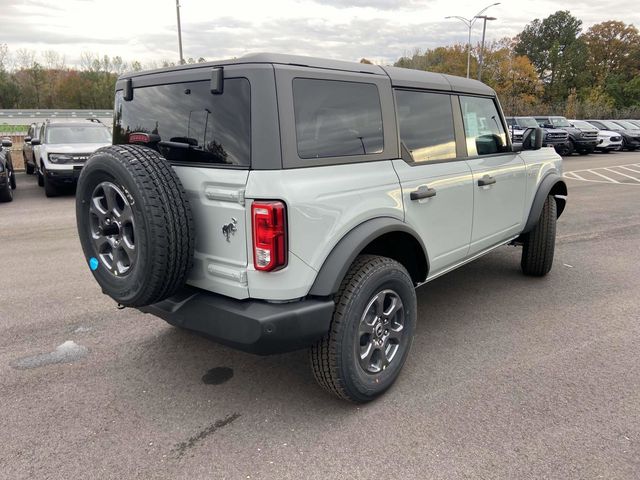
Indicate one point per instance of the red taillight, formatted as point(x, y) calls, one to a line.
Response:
point(139, 138)
point(269, 235)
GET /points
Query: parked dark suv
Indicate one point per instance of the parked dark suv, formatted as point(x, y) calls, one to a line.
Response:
point(7, 177)
point(553, 137)
point(583, 142)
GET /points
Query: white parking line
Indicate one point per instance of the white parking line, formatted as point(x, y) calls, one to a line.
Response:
point(630, 169)
point(623, 174)
point(604, 176)
point(607, 179)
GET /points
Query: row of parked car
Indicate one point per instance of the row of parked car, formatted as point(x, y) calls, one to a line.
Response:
point(55, 150)
point(580, 136)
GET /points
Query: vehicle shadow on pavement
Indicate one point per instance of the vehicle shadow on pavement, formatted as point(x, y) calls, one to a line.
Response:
point(177, 361)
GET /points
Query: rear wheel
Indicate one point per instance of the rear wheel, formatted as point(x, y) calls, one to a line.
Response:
point(371, 331)
point(539, 244)
point(29, 169)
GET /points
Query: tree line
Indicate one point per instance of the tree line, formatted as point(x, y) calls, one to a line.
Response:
point(45, 81)
point(552, 67)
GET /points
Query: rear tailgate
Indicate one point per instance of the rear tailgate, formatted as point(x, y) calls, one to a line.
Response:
point(217, 202)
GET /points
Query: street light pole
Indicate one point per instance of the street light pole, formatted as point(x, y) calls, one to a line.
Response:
point(484, 29)
point(179, 31)
point(469, 22)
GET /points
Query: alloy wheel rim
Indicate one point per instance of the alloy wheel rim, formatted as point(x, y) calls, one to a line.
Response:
point(380, 332)
point(113, 229)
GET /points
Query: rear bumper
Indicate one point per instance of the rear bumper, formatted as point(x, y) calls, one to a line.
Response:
point(253, 326)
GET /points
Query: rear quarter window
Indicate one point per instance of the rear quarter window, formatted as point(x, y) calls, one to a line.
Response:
point(336, 118)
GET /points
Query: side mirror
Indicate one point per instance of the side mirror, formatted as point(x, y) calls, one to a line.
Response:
point(35, 141)
point(532, 139)
point(6, 143)
point(27, 139)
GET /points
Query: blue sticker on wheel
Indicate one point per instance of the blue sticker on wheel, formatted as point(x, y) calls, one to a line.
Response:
point(93, 263)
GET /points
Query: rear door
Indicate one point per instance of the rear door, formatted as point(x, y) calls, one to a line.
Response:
point(437, 189)
point(499, 175)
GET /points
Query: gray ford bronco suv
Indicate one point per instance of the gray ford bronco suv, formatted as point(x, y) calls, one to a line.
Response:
point(277, 202)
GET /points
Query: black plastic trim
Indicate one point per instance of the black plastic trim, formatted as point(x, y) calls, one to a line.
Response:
point(253, 326)
point(337, 264)
point(545, 187)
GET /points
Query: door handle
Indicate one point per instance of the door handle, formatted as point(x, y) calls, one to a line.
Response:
point(423, 192)
point(486, 180)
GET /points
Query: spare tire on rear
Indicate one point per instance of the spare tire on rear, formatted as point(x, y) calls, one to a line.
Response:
point(135, 224)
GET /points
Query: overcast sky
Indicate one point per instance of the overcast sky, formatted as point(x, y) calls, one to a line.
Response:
point(381, 30)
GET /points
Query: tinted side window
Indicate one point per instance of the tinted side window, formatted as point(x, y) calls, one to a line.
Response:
point(186, 123)
point(336, 118)
point(426, 125)
point(482, 126)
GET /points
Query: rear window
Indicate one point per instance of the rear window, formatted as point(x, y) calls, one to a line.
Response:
point(187, 123)
point(336, 118)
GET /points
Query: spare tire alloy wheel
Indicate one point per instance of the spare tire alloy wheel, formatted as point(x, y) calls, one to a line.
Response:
point(135, 224)
point(113, 228)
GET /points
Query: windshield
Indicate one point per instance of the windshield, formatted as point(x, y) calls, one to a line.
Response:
point(627, 125)
point(610, 125)
point(528, 122)
point(79, 134)
point(560, 122)
point(583, 125)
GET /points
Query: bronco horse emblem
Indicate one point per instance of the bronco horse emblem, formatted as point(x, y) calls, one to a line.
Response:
point(230, 229)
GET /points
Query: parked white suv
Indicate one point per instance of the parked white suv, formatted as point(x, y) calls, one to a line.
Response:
point(62, 148)
point(276, 202)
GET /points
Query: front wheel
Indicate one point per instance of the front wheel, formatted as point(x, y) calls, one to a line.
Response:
point(539, 244)
point(50, 190)
point(371, 331)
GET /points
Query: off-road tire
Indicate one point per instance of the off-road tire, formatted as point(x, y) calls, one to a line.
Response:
point(50, 190)
point(539, 244)
point(333, 359)
point(40, 178)
point(570, 147)
point(164, 233)
point(6, 193)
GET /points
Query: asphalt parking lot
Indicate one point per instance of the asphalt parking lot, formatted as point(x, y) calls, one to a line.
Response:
point(509, 376)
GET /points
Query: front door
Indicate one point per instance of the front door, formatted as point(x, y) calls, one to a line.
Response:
point(499, 175)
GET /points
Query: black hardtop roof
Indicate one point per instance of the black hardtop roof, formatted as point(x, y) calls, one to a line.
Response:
point(400, 77)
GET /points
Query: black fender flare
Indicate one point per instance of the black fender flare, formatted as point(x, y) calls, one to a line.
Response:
point(337, 263)
point(552, 181)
